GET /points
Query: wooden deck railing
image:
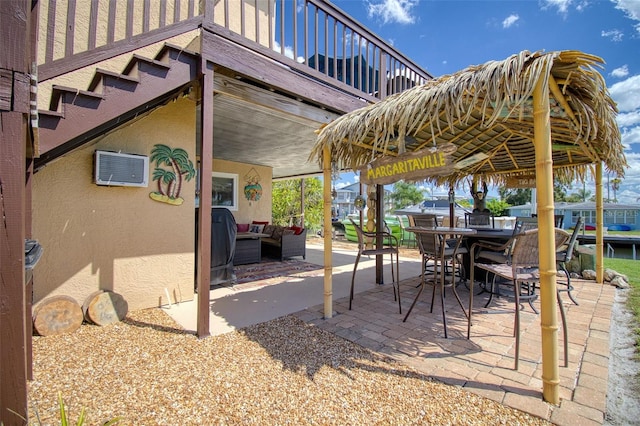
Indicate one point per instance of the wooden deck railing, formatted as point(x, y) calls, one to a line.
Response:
point(316, 36)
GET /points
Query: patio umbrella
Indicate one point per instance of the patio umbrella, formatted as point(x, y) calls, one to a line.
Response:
point(542, 115)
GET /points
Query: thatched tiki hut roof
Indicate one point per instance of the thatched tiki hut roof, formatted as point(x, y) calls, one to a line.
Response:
point(486, 110)
point(537, 117)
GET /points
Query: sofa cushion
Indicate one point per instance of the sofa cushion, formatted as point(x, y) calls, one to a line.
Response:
point(243, 227)
point(270, 241)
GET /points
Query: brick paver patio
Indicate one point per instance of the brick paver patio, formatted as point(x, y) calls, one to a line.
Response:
point(484, 363)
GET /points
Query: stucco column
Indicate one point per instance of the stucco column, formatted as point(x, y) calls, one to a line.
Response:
point(546, 240)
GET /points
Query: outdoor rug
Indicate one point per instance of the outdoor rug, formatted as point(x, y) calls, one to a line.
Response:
point(274, 272)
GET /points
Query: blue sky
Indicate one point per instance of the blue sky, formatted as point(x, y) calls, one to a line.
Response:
point(445, 36)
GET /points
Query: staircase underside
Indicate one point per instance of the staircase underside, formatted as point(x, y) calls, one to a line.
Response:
point(77, 116)
point(253, 123)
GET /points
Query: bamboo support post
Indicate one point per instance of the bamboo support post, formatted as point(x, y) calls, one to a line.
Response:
point(328, 267)
point(599, 225)
point(544, 189)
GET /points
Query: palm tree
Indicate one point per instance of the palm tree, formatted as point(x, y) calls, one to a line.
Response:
point(615, 185)
point(584, 194)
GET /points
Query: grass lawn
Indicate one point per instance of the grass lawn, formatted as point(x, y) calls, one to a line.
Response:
point(630, 268)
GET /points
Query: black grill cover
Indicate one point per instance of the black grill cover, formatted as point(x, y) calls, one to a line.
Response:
point(223, 245)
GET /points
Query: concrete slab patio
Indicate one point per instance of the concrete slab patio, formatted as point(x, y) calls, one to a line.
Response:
point(482, 364)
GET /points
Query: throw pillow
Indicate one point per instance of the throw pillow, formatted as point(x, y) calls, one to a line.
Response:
point(277, 233)
point(297, 229)
point(257, 222)
point(243, 227)
point(268, 229)
point(256, 228)
point(288, 231)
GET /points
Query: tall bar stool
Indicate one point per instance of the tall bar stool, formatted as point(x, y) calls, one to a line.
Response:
point(390, 247)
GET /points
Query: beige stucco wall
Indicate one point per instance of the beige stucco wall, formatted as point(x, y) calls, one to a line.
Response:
point(81, 21)
point(81, 78)
point(249, 210)
point(235, 18)
point(82, 18)
point(117, 238)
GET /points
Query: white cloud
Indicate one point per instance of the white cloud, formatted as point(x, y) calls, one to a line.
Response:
point(510, 21)
point(288, 52)
point(614, 35)
point(629, 192)
point(628, 119)
point(390, 11)
point(561, 5)
point(631, 8)
point(620, 72)
point(627, 93)
point(630, 136)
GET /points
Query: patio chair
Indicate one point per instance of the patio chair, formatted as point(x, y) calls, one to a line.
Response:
point(443, 253)
point(493, 252)
point(428, 220)
point(558, 219)
point(389, 246)
point(407, 238)
point(565, 255)
point(479, 219)
point(522, 269)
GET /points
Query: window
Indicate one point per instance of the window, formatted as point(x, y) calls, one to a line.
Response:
point(224, 190)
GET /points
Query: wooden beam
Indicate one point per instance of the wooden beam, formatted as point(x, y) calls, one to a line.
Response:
point(205, 142)
point(16, 57)
point(232, 87)
point(13, 347)
point(272, 74)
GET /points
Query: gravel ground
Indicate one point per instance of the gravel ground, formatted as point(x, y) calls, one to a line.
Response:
point(148, 371)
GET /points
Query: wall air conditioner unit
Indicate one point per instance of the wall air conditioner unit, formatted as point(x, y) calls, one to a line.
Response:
point(117, 169)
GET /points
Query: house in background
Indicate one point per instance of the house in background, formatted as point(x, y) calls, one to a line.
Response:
point(136, 103)
point(616, 216)
point(345, 198)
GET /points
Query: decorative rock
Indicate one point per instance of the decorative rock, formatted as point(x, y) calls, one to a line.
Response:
point(105, 307)
point(589, 274)
point(619, 282)
point(609, 274)
point(57, 315)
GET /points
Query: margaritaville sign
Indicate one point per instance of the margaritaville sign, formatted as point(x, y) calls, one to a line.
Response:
point(415, 165)
point(528, 181)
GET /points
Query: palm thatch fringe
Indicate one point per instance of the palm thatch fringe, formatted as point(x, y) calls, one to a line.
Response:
point(484, 109)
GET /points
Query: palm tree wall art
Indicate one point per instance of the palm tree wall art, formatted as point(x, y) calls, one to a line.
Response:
point(170, 179)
